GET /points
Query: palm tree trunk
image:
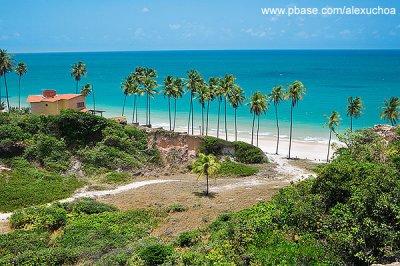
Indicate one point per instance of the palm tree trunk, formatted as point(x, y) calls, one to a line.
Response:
point(277, 127)
point(192, 119)
point(207, 185)
point(8, 101)
point(202, 120)
point(351, 123)
point(94, 100)
point(136, 112)
point(147, 109)
point(258, 128)
point(169, 113)
point(149, 112)
point(208, 109)
point(252, 129)
point(290, 134)
point(76, 89)
point(19, 93)
point(235, 127)
point(219, 111)
point(226, 130)
point(329, 145)
point(174, 113)
point(133, 110)
point(123, 106)
point(190, 111)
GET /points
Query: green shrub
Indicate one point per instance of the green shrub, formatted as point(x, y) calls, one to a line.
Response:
point(229, 168)
point(247, 153)
point(115, 178)
point(155, 254)
point(177, 208)
point(215, 146)
point(87, 206)
point(187, 239)
point(26, 185)
point(11, 140)
point(49, 152)
point(41, 217)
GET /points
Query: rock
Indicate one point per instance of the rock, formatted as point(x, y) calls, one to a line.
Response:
point(387, 132)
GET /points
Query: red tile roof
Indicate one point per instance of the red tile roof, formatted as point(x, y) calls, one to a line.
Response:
point(58, 97)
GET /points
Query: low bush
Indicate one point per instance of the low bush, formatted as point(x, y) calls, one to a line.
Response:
point(229, 168)
point(155, 254)
point(41, 217)
point(187, 239)
point(214, 146)
point(115, 178)
point(177, 208)
point(87, 206)
point(249, 154)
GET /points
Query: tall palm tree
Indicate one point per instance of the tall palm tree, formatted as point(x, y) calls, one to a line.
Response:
point(212, 87)
point(277, 95)
point(179, 90)
point(227, 85)
point(258, 105)
point(219, 93)
point(21, 70)
point(169, 87)
point(136, 91)
point(149, 86)
point(354, 109)
point(193, 82)
point(236, 99)
point(78, 71)
point(86, 91)
point(126, 87)
point(206, 165)
point(6, 66)
point(333, 121)
point(294, 94)
point(391, 110)
point(203, 96)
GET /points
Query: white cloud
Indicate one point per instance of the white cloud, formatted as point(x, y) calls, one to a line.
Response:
point(255, 33)
point(345, 32)
point(175, 26)
point(139, 33)
point(273, 18)
point(145, 10)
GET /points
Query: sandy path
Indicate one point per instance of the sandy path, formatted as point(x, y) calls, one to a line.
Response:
point(287, 171)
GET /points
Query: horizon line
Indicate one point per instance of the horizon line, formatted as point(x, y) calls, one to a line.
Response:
point(210, 50)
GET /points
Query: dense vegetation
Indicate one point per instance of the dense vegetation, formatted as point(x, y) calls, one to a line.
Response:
point(348, 215)
point(45, 154)
point(239, 150)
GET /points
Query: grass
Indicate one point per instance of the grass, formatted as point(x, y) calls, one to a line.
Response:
point(229, 168)
point(26, 186)
point(115, 178)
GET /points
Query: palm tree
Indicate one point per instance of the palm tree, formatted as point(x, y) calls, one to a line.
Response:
point(178, 91)
point(277, 95)
point(203, 96)
point(192, 84)
point(169, 84)
point(236, 99)
point(21, 70)
point(354, 109)
point(206, 165)
point(212, 85)
point(127, 90)
point(85, 91)
point(78, 70)
point(258, 105)
point(149, 86)
point(136, 91)
point(333, 121)
point(294, 94)
point(6, 66)
point(219, 93)
point(227, 85)
point(391, 110)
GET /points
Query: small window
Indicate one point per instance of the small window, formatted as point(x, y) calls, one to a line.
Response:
point(80, 105)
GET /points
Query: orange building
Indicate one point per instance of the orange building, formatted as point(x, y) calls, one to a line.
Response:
point(51, 103)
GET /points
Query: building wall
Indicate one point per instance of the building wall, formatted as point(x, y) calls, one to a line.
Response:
point(48, 108)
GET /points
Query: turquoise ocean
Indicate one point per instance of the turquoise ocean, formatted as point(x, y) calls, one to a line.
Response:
point(330, 76)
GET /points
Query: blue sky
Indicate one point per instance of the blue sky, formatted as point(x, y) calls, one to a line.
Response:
point(129, 25)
